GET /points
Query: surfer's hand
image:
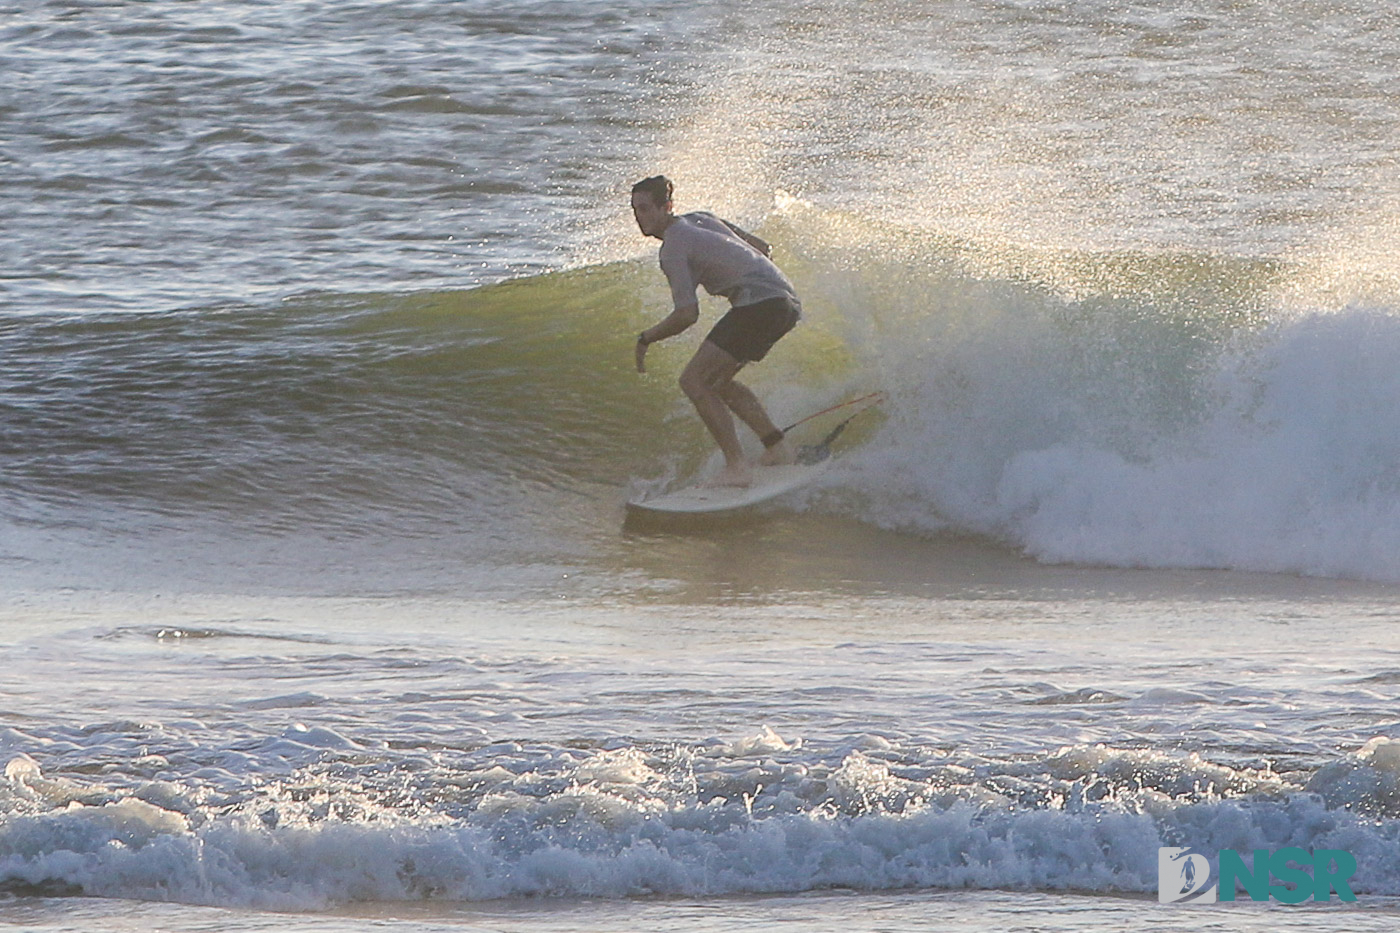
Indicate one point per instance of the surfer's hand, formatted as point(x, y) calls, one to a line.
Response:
point(641, 356)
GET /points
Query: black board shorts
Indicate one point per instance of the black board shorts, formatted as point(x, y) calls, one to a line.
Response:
point(748, 332)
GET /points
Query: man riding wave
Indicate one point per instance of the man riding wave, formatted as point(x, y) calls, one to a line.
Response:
point(700, 249)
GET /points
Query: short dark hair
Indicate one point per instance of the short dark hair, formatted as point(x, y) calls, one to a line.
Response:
point(657, 187)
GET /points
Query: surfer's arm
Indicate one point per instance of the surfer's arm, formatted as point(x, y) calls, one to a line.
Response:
point(678, 321)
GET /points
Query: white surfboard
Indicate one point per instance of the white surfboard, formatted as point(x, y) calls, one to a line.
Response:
point(769, 482)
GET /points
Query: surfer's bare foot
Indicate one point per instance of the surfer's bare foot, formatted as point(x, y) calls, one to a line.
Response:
point(780, 454)
point(733, 476)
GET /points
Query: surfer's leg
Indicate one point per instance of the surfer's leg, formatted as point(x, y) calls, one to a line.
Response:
point(703, 381)
point(750, 410)
point(746, 334)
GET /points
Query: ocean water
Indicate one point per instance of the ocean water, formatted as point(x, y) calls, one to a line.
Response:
point(319, 606)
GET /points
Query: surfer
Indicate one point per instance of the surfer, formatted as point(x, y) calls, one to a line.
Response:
point(701, 249)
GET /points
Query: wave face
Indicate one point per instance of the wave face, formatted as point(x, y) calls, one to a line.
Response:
point(317, 410)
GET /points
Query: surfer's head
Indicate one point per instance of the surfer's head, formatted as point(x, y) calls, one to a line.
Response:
point(651, 204)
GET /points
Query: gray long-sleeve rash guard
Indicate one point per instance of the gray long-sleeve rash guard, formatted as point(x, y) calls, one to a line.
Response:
point(701, 249)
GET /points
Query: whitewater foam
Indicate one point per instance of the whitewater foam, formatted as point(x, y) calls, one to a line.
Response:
point(1085, 413)
point(629, 822)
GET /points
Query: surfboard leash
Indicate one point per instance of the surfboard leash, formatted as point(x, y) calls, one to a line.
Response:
point(809, 454)
point(874, 398)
